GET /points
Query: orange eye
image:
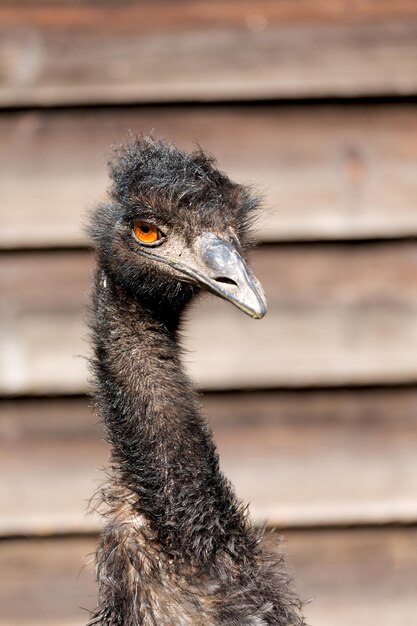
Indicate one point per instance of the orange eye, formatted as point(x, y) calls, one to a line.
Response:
point(146, 233)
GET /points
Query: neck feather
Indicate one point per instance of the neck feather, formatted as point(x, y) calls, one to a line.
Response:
point(162, 449)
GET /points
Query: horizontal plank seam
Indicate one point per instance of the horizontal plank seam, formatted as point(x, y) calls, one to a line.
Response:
point(254, 391)
point(285, 243)
point(315, 528)
point(320, 100)
point(229, 391)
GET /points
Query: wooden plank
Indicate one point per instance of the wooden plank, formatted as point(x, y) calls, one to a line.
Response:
point(359, 577)
point(51, 577)
point(356, 577)
point(326, 172)
point(299, 459)
point(338, 315)
point(129, 52)
point(172, 15)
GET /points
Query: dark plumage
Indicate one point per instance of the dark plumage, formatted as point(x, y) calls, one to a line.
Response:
point(178, 548)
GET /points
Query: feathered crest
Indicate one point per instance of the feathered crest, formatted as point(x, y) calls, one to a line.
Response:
point(152, 171)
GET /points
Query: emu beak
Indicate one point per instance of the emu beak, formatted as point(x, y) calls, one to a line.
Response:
point(223, 271)
point(216, 265)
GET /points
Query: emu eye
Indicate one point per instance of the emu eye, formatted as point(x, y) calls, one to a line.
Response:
point(145, 232)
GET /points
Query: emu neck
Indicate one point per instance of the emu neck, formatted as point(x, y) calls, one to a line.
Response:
point(162, 449)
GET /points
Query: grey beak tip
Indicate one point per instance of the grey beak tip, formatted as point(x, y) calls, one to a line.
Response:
point(226, 273)
point(259, 313)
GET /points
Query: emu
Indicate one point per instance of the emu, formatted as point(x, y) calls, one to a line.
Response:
point(178, 548)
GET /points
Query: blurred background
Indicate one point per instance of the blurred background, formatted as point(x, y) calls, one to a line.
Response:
point(314, 408)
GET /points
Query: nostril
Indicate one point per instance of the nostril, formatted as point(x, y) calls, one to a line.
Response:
point(225, 279)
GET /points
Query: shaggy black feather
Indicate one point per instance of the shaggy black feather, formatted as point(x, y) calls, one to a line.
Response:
point(178, 547)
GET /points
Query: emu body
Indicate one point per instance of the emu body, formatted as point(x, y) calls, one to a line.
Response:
point(178, 548)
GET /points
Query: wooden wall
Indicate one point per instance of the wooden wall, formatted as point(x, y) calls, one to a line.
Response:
point(314, 408)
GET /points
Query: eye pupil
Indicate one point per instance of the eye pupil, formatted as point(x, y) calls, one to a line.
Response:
point(145, 228)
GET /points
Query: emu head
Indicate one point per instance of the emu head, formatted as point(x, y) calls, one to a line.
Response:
point(175, 224)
